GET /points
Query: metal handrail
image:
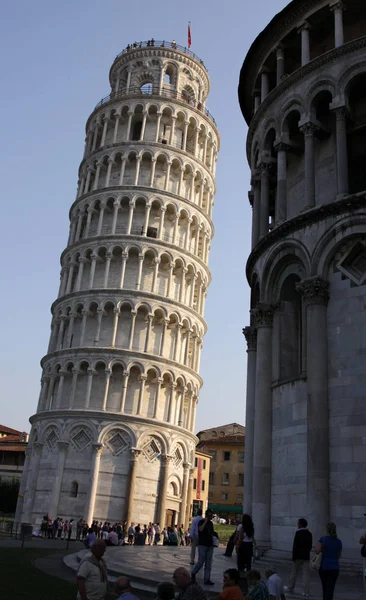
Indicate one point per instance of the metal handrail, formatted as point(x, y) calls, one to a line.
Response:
point(155, 91)
point(161, 44)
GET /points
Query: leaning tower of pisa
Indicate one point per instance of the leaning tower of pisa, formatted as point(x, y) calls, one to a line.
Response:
point(113, 435)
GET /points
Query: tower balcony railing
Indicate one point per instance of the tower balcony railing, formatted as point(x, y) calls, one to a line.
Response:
point(161, 44)
point(157, 92)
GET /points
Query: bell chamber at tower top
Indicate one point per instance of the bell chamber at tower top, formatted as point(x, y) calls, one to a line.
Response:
point(158, 95)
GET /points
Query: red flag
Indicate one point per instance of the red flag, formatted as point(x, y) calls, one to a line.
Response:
point(189, 35)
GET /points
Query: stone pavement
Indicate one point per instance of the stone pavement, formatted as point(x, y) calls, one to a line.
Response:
point(148, 566)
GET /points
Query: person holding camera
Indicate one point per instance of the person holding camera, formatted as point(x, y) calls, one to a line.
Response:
point(205, 548)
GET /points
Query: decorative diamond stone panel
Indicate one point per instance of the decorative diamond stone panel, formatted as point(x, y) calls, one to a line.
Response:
point(353, 263)
point(51, 439)
point(177, 459)
point(116, 442)
point(151, 450)
point(81, 440)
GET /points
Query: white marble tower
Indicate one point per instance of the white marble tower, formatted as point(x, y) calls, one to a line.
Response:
point(113, 435)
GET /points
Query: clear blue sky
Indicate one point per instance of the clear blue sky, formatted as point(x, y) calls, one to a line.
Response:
point(55, 58)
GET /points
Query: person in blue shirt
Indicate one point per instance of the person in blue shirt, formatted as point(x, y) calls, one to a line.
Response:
point(331, 547)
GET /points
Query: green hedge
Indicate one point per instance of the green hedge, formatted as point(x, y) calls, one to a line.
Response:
point(9, 490)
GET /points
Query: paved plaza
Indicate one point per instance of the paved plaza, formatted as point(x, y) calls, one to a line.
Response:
point(150, 565)
point(147, 566)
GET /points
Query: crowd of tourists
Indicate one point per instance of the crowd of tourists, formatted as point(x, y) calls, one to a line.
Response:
point(202, 538)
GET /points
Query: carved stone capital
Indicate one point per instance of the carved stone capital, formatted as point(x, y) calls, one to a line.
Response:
point(166, 460)
point(135, 453)
point(262, 315)
point(62, 446)
point(37, 447)
point(341, 113)
point(337, 6)
point(98, 449)
point(250, 334)
point(308, 129)
point(314, 290)
point(282, 147)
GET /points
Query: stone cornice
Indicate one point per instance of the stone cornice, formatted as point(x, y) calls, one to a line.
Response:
point(139, 240)
point(105, 351)
point(305, 219)
point(122, 294)
point(159, 100)
point(136, 191)
point(142, 145)
point(320, 61)
point(115, 418)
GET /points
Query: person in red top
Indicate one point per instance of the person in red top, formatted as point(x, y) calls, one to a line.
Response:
point(231, 589)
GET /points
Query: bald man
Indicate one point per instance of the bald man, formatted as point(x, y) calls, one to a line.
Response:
point(124, 589)
point(188, 589)
point(92, 575)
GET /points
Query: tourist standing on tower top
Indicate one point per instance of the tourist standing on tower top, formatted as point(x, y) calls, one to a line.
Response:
point(331, 547)
point(303, 542)
point(205, 548)
point(244, 543)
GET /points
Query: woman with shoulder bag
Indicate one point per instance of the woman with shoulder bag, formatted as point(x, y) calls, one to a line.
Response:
point(244, 544)
point(331, 548)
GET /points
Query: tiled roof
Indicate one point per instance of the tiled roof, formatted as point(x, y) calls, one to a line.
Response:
point(9, 438)
point(227, 439)
point(4, 429)
point(12, 448)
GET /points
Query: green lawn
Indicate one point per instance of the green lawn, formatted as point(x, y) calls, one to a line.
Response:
point(21, 579)
point(224, 531)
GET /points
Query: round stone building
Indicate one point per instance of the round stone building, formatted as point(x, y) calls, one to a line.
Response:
point(303, 95)
point(113, 435)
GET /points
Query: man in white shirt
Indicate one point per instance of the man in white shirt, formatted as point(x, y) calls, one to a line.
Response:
point(92, 575)
point(275, 586)
point(194, 535)
point(112, 538)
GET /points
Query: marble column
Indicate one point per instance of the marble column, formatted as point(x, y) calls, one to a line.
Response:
point(57, 480)
point(280, 59)
point(23, 485)
point(31, 486)
point(281, 199)
point(264, 201)
point(256, 184)
point(130, 496)
point(163, 488)
point(337, 8)
point(251, 338)
point(183, 506)
point(304, 30)
point(264, 84)
point(116, 126)
point(93, 483)
point(342, 152)
point(126, 375)
point(308, 129)
point(315, 297)
point(189, 498)
point(262, 447)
